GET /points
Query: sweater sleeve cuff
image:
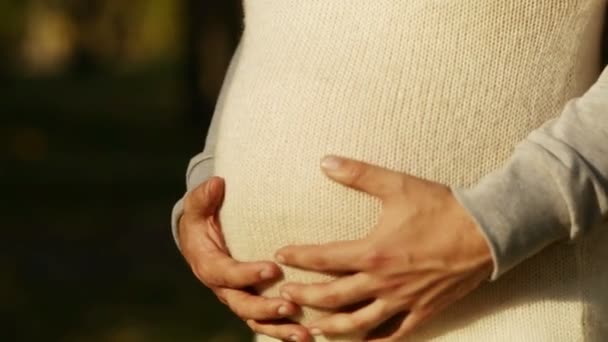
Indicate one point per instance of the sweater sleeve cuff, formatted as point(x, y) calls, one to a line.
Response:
point(550, 189)
point(517, 208)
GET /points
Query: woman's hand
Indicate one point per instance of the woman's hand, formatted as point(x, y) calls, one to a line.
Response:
point(203, 246)
point(424, 254)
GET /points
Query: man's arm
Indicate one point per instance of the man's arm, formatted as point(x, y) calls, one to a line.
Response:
point(554, 186)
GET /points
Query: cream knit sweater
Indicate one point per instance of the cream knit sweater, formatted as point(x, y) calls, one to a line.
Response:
point(445, 90)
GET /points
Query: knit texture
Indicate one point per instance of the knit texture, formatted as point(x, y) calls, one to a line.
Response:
point(440, 89)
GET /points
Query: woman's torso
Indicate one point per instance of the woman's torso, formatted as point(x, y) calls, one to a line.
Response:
point(440, 89)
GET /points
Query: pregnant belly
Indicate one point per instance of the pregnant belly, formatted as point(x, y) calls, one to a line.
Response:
point(270, 142)
point(277, 195)
point(284, 109)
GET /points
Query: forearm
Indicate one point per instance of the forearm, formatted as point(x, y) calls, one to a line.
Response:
point(553, 187)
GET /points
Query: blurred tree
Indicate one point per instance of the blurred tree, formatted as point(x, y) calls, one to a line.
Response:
point(105, 30)
point(47, 44)
point(86, 36)
point(212, 32)
point(11, 30)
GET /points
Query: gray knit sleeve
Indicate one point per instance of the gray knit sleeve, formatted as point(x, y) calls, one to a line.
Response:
point(553, 187)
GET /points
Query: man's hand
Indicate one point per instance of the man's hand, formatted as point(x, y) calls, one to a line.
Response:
point(424, 254)
point(203, 246)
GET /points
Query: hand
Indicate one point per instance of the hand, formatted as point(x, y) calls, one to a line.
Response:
point(203, 246)
point(424, 254)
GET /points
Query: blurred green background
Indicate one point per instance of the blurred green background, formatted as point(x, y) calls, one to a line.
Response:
point(102, 103)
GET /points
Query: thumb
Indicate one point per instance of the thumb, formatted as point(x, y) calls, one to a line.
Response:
point(372, 179)
point(206, 198)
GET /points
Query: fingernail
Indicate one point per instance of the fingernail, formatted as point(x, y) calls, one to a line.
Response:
point(315, 331)
point(294, 338)
point(286, 296)
point(266, 273)
point(283, 311)
point(331, 163)
point(280, 258)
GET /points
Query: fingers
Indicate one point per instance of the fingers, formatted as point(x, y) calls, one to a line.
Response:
point(284, 332)
point(248, 306)
point(340, 256)
point(425, 307)
point(331, 295)
point(433, 302)
point(372, 179)
point(220, 270)
point(412, 321)
point(360, 321)
point(198, 226)
point(204, 200)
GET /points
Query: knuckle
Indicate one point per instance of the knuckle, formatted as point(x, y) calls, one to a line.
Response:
point(295, 293)
point(251, 308)
point(199, 271)
point(373, 258)
point(268, 310)
point(331, 300)
point(318, 262)
point(356, 172)
point(359, 324)
point(234, 276)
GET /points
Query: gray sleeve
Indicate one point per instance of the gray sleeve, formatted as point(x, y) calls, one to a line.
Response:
point(201, 167)
point(554, 186)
